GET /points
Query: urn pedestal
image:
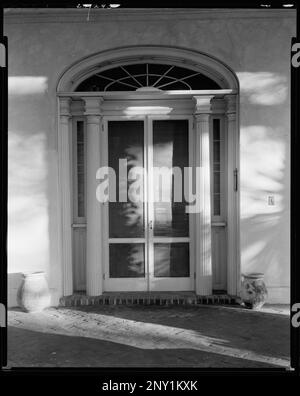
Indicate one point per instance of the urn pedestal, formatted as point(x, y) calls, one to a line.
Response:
point(34, 294)
point(253, 290)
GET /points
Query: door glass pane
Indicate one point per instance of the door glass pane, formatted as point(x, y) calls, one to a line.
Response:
point(126, 260)
point(125, 142)
point(171, 260)
point(170, 150)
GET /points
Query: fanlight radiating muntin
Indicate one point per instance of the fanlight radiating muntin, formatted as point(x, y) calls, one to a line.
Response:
point(147, 77)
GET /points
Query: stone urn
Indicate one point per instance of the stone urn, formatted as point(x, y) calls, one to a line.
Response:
point(253, 291)
point(34, 294)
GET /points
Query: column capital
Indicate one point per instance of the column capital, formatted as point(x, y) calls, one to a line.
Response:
point(203, 104)
point(231, 104)
point(64, 106)
point(218, 105)
point(92, 105)
point(202, 117)
point(93, 119)
point(231, 116)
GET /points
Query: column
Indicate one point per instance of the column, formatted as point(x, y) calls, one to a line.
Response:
point(203, 218)
point(94, 260)
point(233, 275)
point(65, 188)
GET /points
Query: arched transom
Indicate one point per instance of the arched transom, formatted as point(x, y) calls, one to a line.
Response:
point(147, 76)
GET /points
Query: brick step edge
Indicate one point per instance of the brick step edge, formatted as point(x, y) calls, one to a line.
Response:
point(74, 301)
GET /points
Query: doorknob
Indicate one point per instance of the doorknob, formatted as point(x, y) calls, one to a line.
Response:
point(150, 225)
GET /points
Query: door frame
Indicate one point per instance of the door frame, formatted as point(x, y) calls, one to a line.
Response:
point(66, 108)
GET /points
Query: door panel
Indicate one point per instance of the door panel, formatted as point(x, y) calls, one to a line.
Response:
point(79, 254)
point(219, 258)
point(126, 258)
point(169, 240)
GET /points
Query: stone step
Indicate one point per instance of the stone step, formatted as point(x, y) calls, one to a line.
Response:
point(147, 299)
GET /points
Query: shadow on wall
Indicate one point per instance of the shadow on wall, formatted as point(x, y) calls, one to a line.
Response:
point(264, 227)
point(263, 88)
point(27, 202)
point(264, 155)
point(28, 168)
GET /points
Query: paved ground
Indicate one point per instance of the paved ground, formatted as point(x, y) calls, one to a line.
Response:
point(139, 336)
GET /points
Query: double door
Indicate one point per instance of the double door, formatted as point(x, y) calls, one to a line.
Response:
point(147, 232)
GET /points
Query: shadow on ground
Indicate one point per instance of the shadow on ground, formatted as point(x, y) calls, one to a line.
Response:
point(118, 336)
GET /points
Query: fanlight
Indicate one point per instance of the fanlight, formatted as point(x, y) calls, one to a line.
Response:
point(147, 77)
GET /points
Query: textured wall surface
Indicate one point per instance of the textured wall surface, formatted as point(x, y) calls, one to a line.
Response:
point(255, 44)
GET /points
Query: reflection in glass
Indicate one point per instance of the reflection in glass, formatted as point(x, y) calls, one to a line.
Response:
point(125, 141)
point(171, 260)
point(170, 149)
point(127, 260)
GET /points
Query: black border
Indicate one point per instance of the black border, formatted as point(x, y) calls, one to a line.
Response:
point(3, 194)
point(272, 4)
point(295, 269)
point(90, 380)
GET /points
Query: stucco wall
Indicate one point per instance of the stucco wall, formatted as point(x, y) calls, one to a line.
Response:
point(255, 44)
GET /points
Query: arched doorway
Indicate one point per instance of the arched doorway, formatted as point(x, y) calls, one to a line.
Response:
point(151, 106)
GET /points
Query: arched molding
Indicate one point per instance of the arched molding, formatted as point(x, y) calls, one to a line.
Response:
point(194, 60)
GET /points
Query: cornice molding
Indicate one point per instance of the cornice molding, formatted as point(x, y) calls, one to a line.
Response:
point(70, 15)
